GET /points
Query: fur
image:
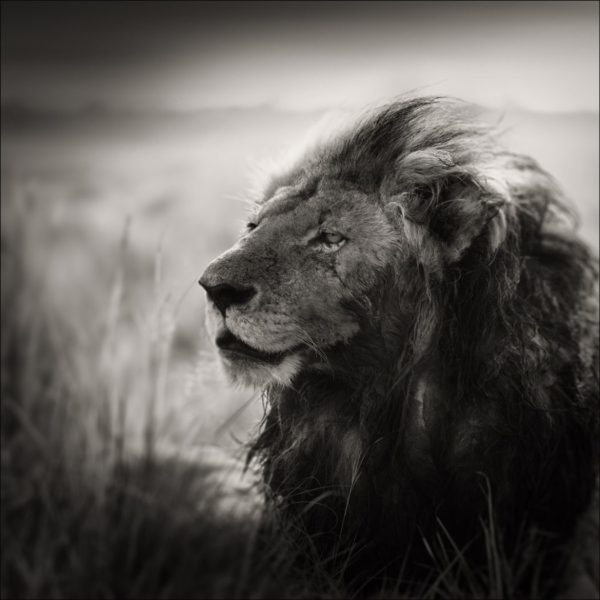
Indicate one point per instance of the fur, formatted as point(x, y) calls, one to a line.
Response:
point(492, 385)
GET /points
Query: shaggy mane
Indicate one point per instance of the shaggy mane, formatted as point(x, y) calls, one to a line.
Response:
point(490, 389)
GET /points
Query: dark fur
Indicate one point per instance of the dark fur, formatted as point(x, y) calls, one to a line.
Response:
point(512, 359)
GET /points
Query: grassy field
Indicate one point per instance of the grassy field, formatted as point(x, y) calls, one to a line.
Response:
point(113, 406)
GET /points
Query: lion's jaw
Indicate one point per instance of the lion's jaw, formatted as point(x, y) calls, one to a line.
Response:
point(306, 269)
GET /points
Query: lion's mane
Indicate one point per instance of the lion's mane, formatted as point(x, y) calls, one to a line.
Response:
point(502, 351)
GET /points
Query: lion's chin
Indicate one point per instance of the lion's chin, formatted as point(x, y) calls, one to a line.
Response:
point(247, 365)
point(252, 372)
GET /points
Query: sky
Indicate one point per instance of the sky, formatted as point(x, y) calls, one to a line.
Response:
point(540, 56)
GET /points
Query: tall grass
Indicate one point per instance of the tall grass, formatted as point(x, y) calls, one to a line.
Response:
point(93, 503)
point(97, 504)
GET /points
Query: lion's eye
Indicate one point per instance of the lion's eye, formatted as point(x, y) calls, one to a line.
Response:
point(330, 239)
point(251, 225)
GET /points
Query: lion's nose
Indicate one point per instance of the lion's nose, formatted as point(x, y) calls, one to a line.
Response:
point(225, 295)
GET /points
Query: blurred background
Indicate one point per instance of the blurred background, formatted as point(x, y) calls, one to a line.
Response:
point(130, 132)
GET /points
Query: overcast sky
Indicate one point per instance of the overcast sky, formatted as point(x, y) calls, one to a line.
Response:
point(541, 56)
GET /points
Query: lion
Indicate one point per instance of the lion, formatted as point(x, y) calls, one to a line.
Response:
point(422, 317)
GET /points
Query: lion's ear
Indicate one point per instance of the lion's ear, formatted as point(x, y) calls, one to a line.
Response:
point(442, 218)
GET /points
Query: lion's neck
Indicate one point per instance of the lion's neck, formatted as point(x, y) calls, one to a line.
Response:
point(341, 427)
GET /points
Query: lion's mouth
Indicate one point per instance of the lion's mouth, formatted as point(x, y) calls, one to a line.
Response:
point(233, 347)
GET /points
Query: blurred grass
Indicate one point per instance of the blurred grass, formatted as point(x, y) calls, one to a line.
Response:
point(110, 392)
point(90, 507)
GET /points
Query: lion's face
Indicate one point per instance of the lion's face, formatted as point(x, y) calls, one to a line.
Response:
point(285, 292)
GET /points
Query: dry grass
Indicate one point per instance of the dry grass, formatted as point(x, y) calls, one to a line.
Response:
point(91, 504)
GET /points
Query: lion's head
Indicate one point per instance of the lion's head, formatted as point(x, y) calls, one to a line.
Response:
point(289, 289)
point(336, 233)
